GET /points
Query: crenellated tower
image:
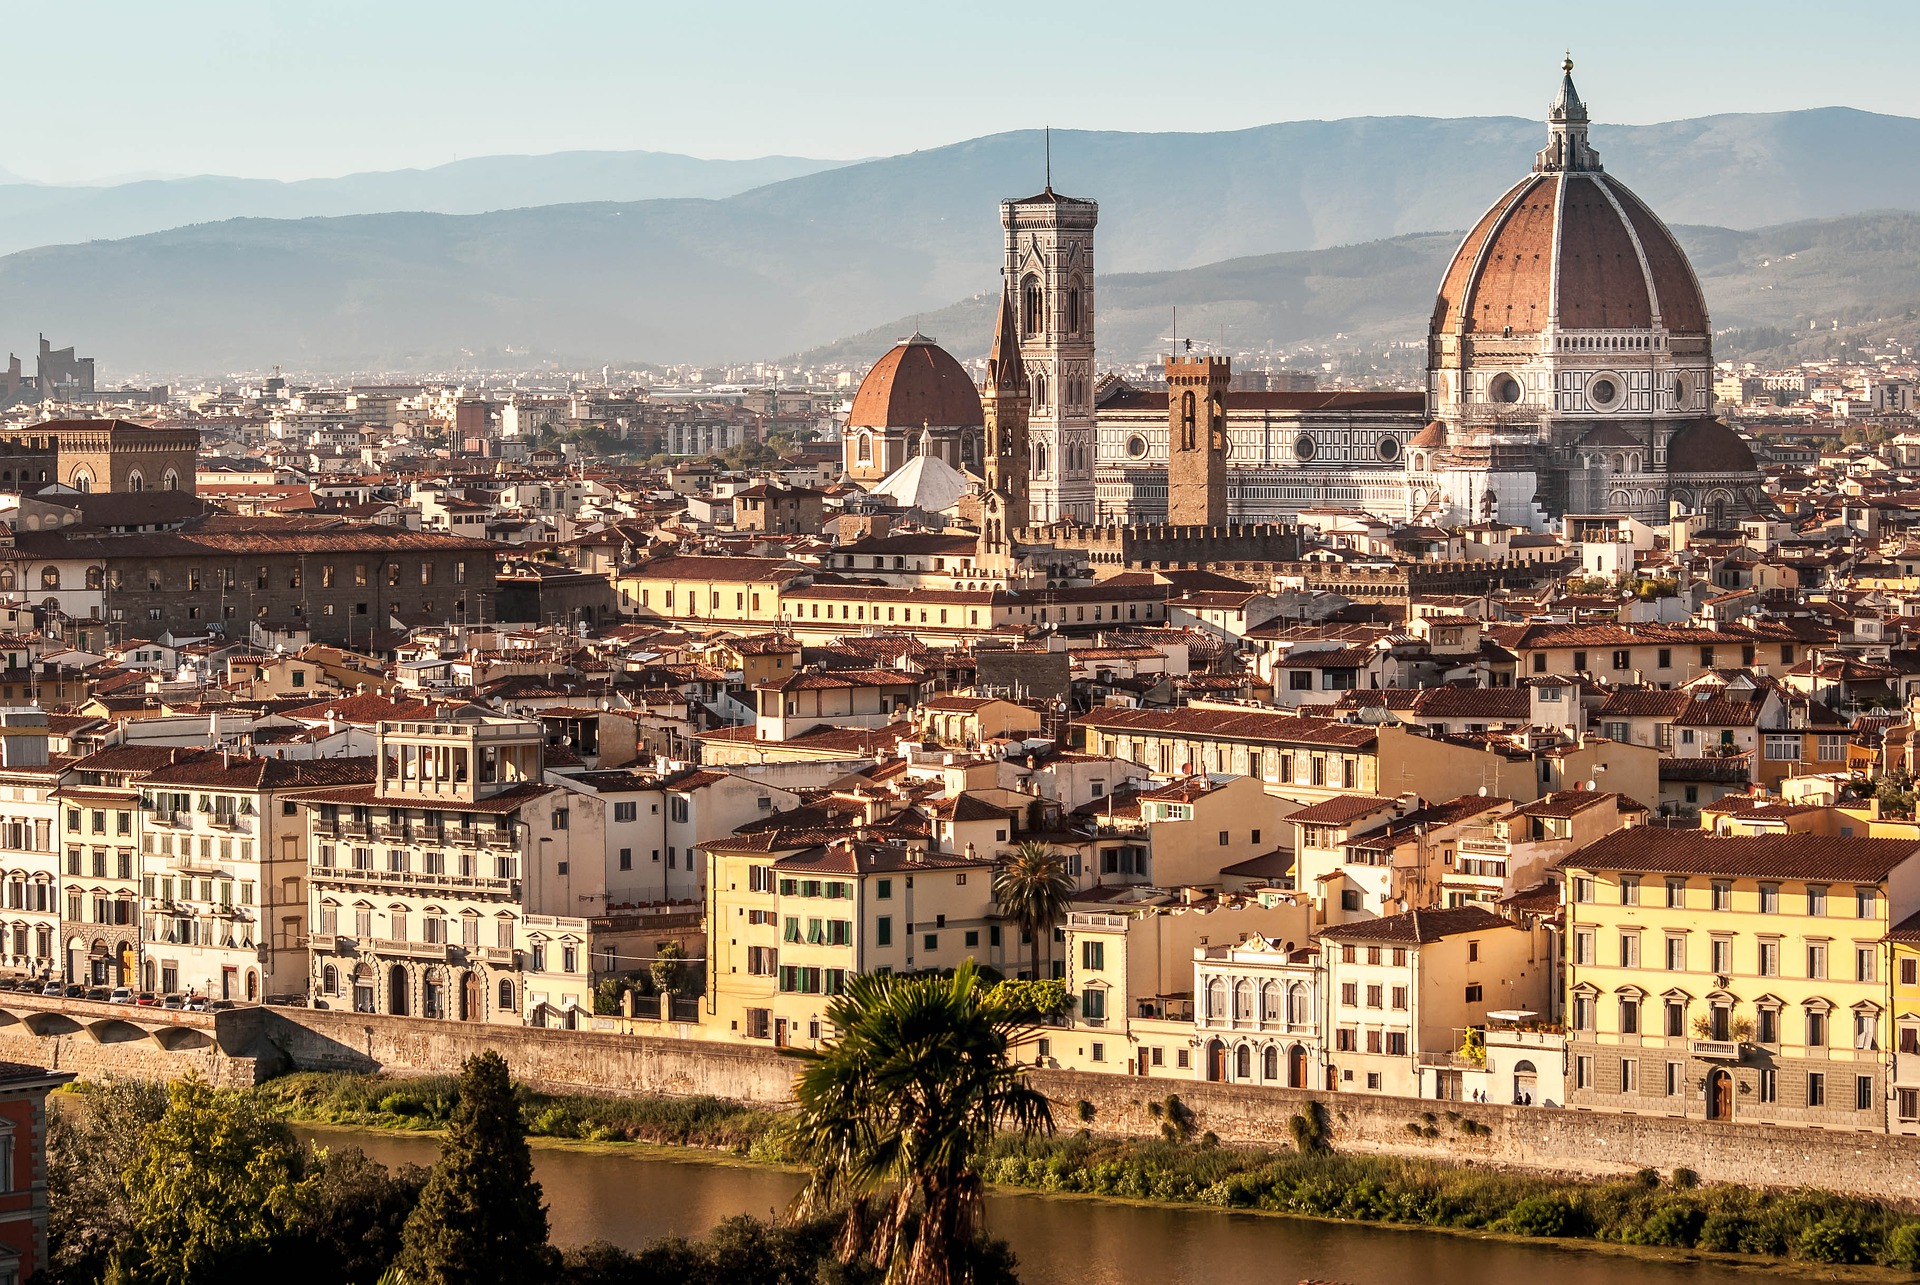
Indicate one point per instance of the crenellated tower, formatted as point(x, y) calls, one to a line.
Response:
point(1197, 440)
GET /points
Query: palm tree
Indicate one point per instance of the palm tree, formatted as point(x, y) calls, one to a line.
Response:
point(1033, 887)
point(915, 1081)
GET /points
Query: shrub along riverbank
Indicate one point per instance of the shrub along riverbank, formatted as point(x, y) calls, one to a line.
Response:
point(1671, 1210)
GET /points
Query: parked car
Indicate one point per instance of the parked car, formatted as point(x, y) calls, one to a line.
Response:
point(99, 992)
point(147, 999)
point(75, 990)
point(54, 989)
point(173, 999)
point(198, 1004)
point(121, 995)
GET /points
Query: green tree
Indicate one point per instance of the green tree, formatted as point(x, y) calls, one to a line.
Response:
point(1034, 888)
point(215, 1179)
point(915, 1082)
point(480, 1219)
point(668, 967)
point(93, 1138)
point(352, 1212)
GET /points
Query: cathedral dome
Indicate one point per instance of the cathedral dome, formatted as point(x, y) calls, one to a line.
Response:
point(918, 383)
point(1708, 446)
point(1569, 248)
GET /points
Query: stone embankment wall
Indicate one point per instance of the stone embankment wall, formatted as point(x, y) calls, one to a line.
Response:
point(559, 1061)
point(1586, 1143)
point(242, 1046)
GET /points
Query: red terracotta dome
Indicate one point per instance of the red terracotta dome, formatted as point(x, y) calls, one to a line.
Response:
point(1569, 247)
point(917, 383)
point(1575, 250)
point(1708, 446)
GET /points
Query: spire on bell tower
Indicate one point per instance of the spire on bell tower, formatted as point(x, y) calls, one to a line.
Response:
point(1567, 148)
point(1004, 407)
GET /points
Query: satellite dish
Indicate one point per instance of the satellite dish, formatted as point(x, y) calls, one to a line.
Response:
point(1592, 784)
point(1483, 791)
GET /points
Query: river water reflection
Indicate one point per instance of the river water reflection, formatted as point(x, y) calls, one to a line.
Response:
point(630, 1199)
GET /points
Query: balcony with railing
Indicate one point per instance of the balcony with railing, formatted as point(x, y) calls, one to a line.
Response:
point(1715, 1050)
point(433, 950)
point(423, 881)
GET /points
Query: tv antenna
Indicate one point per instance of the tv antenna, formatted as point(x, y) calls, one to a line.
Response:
point(1047, 136)
point(1174, 339)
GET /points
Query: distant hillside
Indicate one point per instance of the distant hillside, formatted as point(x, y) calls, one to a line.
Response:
point(33, 215)
point(793, 264)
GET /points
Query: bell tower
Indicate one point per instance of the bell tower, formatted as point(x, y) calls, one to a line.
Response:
point(1005, 403)
point(1048, 271)
point(1197, 440)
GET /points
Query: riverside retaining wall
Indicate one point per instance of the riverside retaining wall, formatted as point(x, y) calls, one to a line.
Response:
point(562, 1061)
point(242, 1046)
point(1551, 1139)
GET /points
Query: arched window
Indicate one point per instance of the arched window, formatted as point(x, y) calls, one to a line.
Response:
point(1186, 420)
point(1270, 1002)
point(1039, 391)
point(135, 481)
point(1073, 307)
point(82, 481)
point(1296, 1005)
point(1243, 1063)
point(506, 997)
point(1270, 1064)
point(1243, 1001)
point(170, 481)
point(863, 452)
point(50, 577)
point(329, 980)
point(95, 577)
point(1030, 311)
point(1216, 998)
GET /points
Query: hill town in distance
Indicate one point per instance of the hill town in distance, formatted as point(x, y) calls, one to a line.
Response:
point(1535, 731)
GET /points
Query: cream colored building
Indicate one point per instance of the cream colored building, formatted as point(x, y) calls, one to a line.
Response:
point(1258, 1016)
point(223, 871)
point(1402, 992)
point(426, 883)
point(1130, 974)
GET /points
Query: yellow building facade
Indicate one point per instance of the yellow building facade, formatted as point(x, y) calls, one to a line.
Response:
point(1734, 978)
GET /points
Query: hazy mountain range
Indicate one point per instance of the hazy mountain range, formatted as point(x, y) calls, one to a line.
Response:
point(39, 214)
point(1244, 227)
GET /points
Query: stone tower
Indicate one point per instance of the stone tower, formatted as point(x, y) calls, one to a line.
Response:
point(1197, 440)
point(1005, 404)
point(1048, 268)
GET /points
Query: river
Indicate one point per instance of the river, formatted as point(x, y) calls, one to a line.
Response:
point(632, 1198)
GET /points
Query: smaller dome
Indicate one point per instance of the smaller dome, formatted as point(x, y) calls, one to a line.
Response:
point(1708, 446)
point(917, 383)
point(927, 483)
point(1433, 436)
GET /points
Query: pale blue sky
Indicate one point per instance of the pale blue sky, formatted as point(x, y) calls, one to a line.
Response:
point(291, 90)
